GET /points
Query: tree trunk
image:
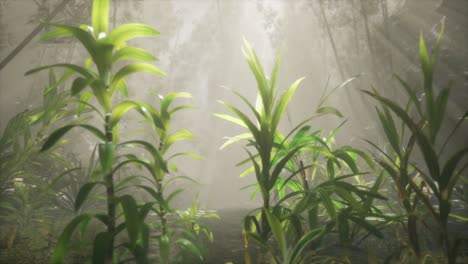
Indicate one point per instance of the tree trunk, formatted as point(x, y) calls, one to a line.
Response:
point(31, 35)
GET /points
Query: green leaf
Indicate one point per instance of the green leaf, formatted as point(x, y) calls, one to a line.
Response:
point(79, 84)
point(122, 88)
point(430, 157)
point(459, 217)
point(274, 72)
point(235, 139)
point(282, 163)
point(132, 220)
point(389, 127)
point(329, 110)
point(106, 157)
point(232, 119)
point(192, 248)
point(59, 133)
point(247, 122)
point(278, 231)
point(103, 60)
point(187, 154)
point(130, 31)
point(157, 196)
point(131, 68)
point(125, 180)
point(84, 37)
point(441, 104)
point(282, 104)
point(344, 156)
point(59, 32)
point(64, 239)
point(181, 134)
point(167, 100)
point(266, 95)
point(164, 248)
point(308, 238)
point(84, 97)
point(121, 109)
point(173, 194)
point(53, 85)
point(83, 194)
point(368, 226)
point(426, 64)
point(132, 53)
point(86, 73)
point(252, 108)
point(101, 249)
point(411, 93)
point(180, 178)
point(157, 157)
point(100, 16)
point(448, 174)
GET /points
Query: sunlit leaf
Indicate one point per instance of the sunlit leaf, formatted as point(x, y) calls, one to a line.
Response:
point(130, 31)
point(100, 16)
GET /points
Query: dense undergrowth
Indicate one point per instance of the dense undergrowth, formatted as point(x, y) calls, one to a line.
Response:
point(315, 193)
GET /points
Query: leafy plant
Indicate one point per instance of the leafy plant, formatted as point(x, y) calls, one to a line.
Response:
point(261, 133)
point(411, 177)
point(25, 171)
point(105, 49)
point(161, 166)
point(23, 136)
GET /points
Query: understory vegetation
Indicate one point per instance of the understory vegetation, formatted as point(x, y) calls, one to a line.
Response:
point(319, 200)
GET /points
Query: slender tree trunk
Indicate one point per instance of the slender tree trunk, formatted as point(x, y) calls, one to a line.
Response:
point(369, 40)
point(355, 33)
point(387, 31)
point(332, 41)
point(31, 35)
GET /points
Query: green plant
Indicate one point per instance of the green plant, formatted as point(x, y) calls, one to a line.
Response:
point(190, 233)
point(21, 140)
point(25, 172)
point(160, 167)
point(261, 132)
point(410, 176)
point(342, 201)
point(291, 254)
point(105, 50)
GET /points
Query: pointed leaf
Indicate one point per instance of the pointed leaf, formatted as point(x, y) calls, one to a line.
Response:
point(63, 242)
point(132, 53)
point(130, 31)
point(59, 133)
point(132, 221)
point(101, 249)
point(329, 110)
point(100, 16)
point(83, 194)
point(136, 67)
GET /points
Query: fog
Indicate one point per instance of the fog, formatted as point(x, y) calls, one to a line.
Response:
point(200, 50)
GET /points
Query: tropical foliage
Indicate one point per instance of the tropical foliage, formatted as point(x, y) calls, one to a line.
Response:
point(100, 80)
point(439, 172)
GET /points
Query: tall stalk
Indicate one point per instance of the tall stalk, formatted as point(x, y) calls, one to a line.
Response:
point(105, 50)
point(110, 198)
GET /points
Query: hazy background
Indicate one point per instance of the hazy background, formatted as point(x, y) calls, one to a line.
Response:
point(200, 49)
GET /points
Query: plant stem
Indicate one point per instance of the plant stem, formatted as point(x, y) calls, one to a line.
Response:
point(110, 197)
point(162, 215)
